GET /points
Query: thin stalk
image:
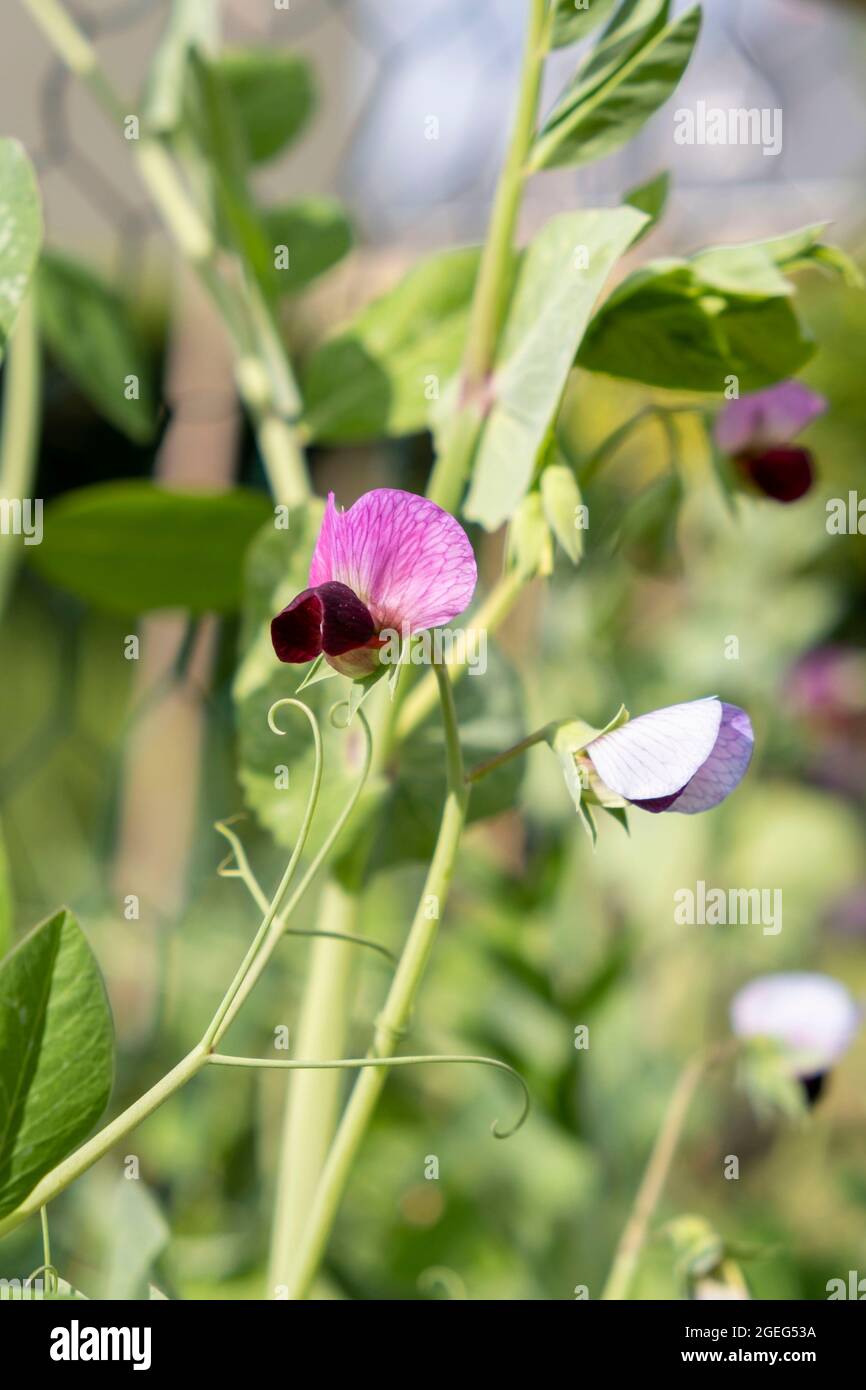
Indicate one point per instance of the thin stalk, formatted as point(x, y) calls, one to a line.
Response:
point(495, 273)
point(20, 429)
point(393, 1020)
point(421, 701)
point(312, 1103)
point(261, 365)
point(653, 1182)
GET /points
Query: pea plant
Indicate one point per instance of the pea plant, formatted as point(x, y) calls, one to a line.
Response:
point(392, 743)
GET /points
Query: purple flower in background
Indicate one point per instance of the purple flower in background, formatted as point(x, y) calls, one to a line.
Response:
point(813, 1017)
point(757, 430)
point(683, 758)
point(393, 561)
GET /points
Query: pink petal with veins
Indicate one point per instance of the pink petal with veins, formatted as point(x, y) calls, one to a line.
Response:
point(406, 559)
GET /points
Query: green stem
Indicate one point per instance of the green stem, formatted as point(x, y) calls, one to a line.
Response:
point(393, 1020)
point(312, 1103)
point(491, 290)
point(421, 701)
point(491, 764)
point(495, 274)
point(653, 1182)
point(20, 430)
point(261, 366)
point(664, 414)
point(78, 1162)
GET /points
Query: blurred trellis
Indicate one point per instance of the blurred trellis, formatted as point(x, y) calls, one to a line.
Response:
point(383, 68)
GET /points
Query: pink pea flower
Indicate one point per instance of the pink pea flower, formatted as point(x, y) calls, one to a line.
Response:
point(811, 1016)
point(393, 561)
point(684, 758)
point(757, 430)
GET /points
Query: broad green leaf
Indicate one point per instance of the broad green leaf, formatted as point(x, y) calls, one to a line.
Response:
point(688, 324)
point(6, 904)
point(20, 232)
point(574, 19)
point(316, 233)
point(56, 1052)
point(191, 24)
point(273, 93)
point(129, 547)
point(560, 279)
point(650, 197)
point(91, 332)
point(591, 121)
point(139, 1236)
point(379, 376)
point(634, 23)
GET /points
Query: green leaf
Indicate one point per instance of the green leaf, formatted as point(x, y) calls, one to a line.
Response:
point(379, 376)
point(316, 233)
point(91, 332)
point(561, 498)
point(273, 94)
point(650, 197)
point(574, 19)
point(558, 283)
point(140, 1235)
point(20, 232)
point(688, 324)
point(128, 547)
point(606, 105)
point(56, 1053)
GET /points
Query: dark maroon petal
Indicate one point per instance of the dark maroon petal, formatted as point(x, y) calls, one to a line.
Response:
point(330, 619)
point(659, 803)
point(783, 472)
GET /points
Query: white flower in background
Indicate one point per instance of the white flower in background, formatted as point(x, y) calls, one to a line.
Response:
point(813, 1017)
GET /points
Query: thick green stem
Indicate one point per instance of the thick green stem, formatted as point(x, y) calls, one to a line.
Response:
point(312, 1103)
point(262, 368)
point(77, 1163)
point(394, 1018)
point(20, 430)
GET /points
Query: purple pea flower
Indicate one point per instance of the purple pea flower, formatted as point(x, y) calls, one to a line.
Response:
point(757, 430)
point(812, 1016)
point(393, 561)
point(684, 758)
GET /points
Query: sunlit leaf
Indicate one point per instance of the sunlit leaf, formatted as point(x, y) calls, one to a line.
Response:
point(559, 281)
point(56, 1052)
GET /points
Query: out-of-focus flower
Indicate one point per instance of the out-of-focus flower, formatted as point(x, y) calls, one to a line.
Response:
point(811, 1017)
point(393, 561)
point(825, 692)
point(757, 432)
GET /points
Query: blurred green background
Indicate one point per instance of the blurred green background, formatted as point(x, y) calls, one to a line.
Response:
point(112, 773)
